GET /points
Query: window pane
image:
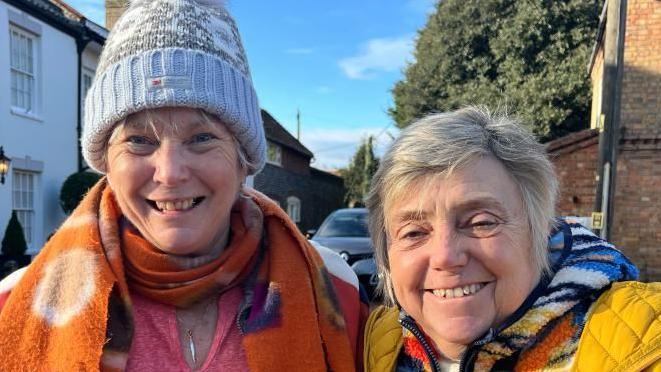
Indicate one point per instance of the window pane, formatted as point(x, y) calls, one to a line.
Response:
point(28, 95)
point(14, 88)
point(29, 55)
point(23, 201)
point(21, 52)
point(14, 50)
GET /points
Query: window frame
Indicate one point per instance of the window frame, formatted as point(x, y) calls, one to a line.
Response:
point(26, 209)
point(28, 70)
point(294, 208)
point(87, 75)
point(278, 150)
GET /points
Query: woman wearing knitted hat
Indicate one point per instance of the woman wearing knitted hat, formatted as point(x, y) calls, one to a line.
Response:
point(477, 272)
point(170, 263)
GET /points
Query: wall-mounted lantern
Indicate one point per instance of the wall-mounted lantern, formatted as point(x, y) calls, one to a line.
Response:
point(4, 165)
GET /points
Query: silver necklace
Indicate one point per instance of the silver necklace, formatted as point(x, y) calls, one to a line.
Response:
point(189, 331)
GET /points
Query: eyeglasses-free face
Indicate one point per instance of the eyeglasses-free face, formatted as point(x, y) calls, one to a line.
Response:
point(176, 178)
point(460, 253)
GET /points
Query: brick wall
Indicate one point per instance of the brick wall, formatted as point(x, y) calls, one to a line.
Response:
point(637, 215)
point(596, 76)
point(641, 85)
point(114, 9)
point(319, 192)
point(575, 160)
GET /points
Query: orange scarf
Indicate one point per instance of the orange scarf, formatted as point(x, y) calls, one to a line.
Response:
point(71, 311)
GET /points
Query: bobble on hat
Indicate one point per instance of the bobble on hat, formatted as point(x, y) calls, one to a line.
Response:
point(174, 53)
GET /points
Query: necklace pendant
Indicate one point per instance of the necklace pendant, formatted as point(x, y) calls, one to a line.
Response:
point(191, 346)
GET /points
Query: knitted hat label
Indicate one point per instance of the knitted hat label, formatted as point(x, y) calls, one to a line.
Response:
point(169, 82)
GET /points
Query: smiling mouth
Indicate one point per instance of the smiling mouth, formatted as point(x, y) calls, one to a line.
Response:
point(180, 205)
point(457, 292)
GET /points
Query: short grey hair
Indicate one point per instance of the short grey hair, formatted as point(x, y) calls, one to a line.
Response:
point(207, 119)
point(439, 143)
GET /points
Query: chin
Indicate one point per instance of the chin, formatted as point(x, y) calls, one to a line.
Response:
point(178, 247)
point(462, 331)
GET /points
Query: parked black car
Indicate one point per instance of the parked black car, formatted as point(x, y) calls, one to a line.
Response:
point(345, 232)
point(368, 277)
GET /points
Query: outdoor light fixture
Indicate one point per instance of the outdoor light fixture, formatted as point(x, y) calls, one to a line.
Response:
point(4, 165)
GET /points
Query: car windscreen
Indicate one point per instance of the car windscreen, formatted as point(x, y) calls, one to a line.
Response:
point(344, 225)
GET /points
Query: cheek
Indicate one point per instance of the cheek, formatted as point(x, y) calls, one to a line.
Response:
point(510, 262)
point(407, 269)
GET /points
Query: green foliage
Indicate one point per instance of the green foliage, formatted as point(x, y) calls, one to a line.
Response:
point(358, 174)
point(74, 189)
point(13, 243)
point(527, 56)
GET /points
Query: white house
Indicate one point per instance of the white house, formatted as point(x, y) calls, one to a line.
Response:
point(48, 55)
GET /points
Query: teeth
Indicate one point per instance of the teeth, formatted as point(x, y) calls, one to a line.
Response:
point(466, 290)
point(179, 205)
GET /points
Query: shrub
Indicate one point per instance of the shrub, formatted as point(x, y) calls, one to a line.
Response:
point(74, 189)
point(13, 243)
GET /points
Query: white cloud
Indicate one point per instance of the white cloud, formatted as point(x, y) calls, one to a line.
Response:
point(378, 55)
point(299, 51)
point(334, 148)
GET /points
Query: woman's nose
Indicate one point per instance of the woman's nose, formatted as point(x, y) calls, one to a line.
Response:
point(171, 166)
point(448, 251)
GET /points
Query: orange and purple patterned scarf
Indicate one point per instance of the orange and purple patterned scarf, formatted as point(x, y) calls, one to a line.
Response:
point(71, 311)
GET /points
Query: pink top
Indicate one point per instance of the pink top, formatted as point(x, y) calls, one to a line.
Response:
point(156, 345)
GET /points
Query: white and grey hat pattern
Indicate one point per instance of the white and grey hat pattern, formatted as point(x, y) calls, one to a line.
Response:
point(173, 53)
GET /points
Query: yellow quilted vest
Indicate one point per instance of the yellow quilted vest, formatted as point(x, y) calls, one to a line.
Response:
point(623, 333)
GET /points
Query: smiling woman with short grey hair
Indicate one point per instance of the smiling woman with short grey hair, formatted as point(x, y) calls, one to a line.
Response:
point(475, 270)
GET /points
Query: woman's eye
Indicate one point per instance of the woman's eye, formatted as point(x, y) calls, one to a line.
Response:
point(482, 226)
point(202, 138)
point(140, 145)
point(485, 224)
point(413, 234)
point(139, 140)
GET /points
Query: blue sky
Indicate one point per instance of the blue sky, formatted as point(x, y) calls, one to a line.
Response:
point(336, 61)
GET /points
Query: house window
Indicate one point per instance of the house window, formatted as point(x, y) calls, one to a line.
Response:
point(87, 84)
point(294, 208)
point(273, 153)
point(22, 66)
point(23, 201)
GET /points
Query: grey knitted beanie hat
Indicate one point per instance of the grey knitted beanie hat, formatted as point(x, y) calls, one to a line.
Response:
point(173, 53)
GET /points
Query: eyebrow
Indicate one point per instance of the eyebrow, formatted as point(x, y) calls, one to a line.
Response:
point(406, 216)
point(482, 202)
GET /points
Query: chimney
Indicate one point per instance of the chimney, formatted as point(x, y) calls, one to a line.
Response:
point(114, 10)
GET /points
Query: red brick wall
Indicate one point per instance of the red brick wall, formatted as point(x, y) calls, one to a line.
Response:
point(114, 10)
point(637, 215)
point(641, 84)
point(575, 160)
